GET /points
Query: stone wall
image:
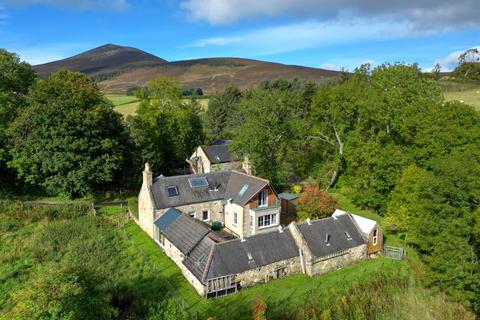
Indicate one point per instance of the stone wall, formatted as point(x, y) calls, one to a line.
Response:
point(354, 254)
point(177, 256)
point(214, 207)
point(260, 275)
point(226, 166)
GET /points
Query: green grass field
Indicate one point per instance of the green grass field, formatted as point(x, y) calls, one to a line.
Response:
point(468, 92)
point(127, 105)
point(471, 97)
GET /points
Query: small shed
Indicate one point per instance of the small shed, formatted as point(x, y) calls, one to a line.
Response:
point(288, 202)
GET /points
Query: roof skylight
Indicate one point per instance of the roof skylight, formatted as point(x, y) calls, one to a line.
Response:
point(198, 182)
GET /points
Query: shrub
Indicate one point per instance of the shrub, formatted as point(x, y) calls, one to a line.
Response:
point(314, 203)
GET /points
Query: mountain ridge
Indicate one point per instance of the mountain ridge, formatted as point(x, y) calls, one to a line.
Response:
point(116, 68)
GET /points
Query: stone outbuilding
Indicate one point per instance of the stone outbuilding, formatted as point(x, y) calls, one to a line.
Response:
point(369, 228)
point(329, 244)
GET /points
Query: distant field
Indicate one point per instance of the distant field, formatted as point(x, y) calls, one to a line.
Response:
point(467, 92)
point(471, 97)
point(127, 105)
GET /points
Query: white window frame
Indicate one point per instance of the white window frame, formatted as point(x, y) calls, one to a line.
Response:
point(272, 221)
point(208, 215)
point(235, 218)
point(263, 195)
point(159, 237)
point(375, 237)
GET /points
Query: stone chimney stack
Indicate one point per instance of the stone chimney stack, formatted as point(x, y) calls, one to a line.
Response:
point(247, 165)
point(147, 175)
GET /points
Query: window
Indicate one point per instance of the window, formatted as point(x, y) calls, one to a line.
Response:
point(243, 190)
point(262, 198)
point(198, 182)
point(235, 218)
point(267, 221)
point(159, 238)
point(205, 215)
point(375, 237)
point(172, 191)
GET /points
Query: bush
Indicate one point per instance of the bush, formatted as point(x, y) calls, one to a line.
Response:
point(314, 203)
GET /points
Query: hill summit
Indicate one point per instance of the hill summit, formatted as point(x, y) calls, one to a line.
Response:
point(117, 68)
point(107, 58)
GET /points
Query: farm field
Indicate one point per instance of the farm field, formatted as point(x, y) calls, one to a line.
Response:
point(127, 105)
point(468, 92)
point(471, 97)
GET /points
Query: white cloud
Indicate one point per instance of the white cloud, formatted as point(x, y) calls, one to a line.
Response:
point(117, 5)
point(449, 62)
point(332, 66)
point(305, 35)
point(422, 14)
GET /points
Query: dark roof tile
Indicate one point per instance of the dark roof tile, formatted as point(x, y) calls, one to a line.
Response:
point(237, 256)
point(185, 232)
point(336, 228)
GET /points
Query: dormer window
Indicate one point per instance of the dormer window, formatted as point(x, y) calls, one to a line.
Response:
point(172, 191)
point(262, 198)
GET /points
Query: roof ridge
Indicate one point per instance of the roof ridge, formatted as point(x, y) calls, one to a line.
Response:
point(192, 174)
point(252, 176)
point(209, 262)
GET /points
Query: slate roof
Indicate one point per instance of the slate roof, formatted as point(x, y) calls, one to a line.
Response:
point(198, 258)
point(185, 232)
point(228, 184)
point(217, 153)
point(238, 181)
point(187, 194)
point(315, 235)
point(167, 219)
point(232, 257)
point(366, 225)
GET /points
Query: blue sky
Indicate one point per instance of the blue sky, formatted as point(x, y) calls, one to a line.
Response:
point(317, 33)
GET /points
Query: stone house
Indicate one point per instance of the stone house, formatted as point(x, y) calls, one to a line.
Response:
point(244, 204)
point(176, 212)
point(214, 158)
point(216, 266)
point(370, 229)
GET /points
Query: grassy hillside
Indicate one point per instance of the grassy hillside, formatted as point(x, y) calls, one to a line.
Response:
point(127, 105)
point(467, 92)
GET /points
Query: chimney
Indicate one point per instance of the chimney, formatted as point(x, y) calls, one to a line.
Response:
point(247, 165)
point(309, 222)
point(147, 175)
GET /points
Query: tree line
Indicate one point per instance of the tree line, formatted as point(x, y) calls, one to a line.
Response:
point(62, 137)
